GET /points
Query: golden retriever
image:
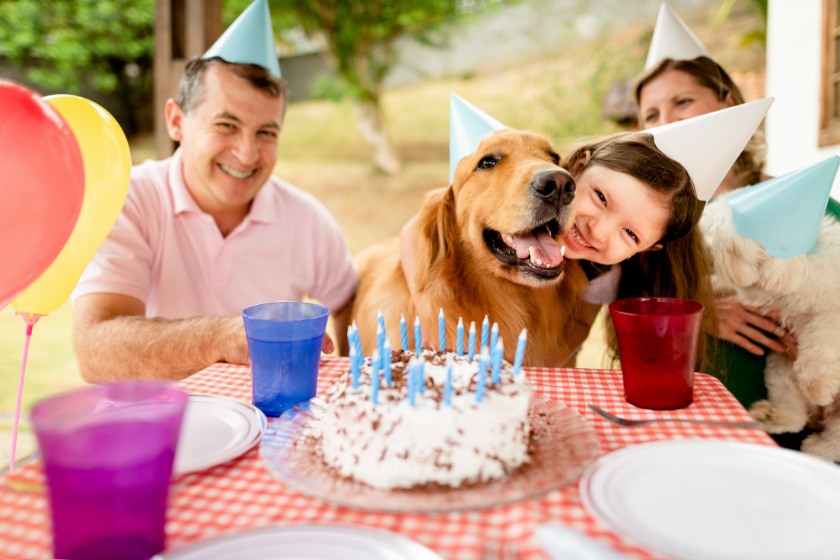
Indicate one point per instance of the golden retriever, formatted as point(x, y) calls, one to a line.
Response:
point(473, 253)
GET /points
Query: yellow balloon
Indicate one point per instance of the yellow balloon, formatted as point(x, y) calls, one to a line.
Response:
point(107, 171)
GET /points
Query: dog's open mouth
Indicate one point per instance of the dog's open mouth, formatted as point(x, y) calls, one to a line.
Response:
point(535, 252)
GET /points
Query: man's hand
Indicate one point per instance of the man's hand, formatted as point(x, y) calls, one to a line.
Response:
point(747, 327)
point(327, 347)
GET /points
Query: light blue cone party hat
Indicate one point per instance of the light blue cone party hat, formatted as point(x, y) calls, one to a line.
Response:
point(467, 126)
point(249, 40)
point(784, 214)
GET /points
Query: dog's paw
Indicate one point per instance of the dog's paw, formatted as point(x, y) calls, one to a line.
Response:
point(777, 420)
point(819, 389)
point(823, 445)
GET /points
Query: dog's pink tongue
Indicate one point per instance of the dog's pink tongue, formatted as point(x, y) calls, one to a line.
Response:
point(545, 247)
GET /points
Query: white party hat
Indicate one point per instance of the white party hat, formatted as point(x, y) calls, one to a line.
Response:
point(467, 126)
point(249, 40)
point(708, 145)
point(673, 39)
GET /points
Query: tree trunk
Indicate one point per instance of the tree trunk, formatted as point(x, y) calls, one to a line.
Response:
point(372, 126)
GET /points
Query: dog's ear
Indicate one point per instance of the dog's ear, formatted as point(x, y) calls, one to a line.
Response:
point(784, 276)
point(438, 231)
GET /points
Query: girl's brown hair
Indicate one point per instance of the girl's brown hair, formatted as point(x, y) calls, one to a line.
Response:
point(682, 268)
point(709, 74)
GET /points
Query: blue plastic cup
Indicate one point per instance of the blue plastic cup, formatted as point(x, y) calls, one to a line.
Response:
point(284, 340)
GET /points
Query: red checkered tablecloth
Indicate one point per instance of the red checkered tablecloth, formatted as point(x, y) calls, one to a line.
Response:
point(241, 495)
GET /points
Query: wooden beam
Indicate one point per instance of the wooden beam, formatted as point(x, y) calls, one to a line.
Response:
point(162, 71)
point(183, 29)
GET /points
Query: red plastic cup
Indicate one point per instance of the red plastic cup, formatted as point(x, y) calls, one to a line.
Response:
point(657, 344)
point(108, 453)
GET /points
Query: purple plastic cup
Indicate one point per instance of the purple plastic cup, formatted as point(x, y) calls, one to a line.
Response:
point(284, 342)
point(108, 453)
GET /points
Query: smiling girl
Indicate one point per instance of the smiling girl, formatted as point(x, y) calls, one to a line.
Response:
point(634, 231)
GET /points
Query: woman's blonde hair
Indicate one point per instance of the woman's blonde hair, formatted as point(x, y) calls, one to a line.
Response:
point(682, 268)
point(709, 74)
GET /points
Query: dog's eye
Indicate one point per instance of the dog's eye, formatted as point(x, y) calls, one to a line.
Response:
point(556, 157)
point(488, 162)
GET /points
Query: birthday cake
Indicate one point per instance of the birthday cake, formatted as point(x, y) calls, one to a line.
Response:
point(427, 426)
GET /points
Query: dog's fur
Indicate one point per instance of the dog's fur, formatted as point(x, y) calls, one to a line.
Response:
point(456, 269)
point(805, 289)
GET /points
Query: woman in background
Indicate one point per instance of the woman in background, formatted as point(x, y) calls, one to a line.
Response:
point(682, 81)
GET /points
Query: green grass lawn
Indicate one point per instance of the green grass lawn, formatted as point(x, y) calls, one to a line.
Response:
point(322, 152)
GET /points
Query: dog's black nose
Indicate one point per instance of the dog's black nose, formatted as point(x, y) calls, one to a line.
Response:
point(555, 186)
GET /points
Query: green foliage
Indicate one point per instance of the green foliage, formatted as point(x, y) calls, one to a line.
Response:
point(758, 7)
point(326, 86)
point(63, 43)
point(360, 34)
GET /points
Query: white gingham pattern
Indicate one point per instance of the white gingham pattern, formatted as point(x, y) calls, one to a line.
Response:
point(241, 495)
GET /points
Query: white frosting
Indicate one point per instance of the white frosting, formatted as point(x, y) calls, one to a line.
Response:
point(394, 445)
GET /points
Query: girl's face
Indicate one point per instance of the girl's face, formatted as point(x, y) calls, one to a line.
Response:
point(617, 217)
point(673, 96)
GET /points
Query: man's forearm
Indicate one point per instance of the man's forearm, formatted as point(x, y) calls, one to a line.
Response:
point(128, 347)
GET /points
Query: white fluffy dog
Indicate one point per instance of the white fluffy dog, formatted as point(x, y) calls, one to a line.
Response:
point(805, 289)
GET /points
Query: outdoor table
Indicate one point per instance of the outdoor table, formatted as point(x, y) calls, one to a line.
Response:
point(241, 494)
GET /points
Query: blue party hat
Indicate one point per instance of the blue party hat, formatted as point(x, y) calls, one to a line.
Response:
point(784, 214)
point(467, 126)
point(249, 40)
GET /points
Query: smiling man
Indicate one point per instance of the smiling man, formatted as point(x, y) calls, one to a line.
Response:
point(209, 231)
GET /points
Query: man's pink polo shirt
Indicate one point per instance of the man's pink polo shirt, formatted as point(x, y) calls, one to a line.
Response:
point(166, 252)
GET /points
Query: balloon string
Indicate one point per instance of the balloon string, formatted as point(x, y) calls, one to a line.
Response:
point(19, 396)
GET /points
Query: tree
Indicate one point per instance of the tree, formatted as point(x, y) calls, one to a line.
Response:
point(360, 37)
point(66, 43)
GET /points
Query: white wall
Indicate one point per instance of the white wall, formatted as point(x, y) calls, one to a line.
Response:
point(794, 56)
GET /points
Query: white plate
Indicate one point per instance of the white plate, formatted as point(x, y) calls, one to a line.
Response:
point(216, 430)
point(307, 542)
point(718, 500)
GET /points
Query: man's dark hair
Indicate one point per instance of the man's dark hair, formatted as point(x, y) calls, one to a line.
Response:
point(191, 85)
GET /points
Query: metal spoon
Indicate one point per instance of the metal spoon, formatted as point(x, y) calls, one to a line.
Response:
point(625, 423)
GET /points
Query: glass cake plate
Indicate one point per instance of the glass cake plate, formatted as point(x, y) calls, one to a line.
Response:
point(563, 446)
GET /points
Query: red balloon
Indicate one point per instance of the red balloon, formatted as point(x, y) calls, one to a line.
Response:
point(42, 186)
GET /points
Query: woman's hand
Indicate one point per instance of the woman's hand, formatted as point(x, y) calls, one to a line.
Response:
point(747, 327)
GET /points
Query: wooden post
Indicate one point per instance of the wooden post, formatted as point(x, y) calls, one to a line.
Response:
point(183, 29)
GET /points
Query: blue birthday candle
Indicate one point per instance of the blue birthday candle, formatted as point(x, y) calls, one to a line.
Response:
point(403, 333)
point(380, 319)
point(350, 336)
point(374, 377)
point(471, 345)
point(421, 376)
point(447, 387)
point(485, 331)
point(494, 337)
point(358, 340)
point(459, 344)
point(520, 351)
point(418, 337)
point(481, 380)
point(410, 382)
point(386, 362)
point(354, 367)
point(498, 353)
point(380, 338)
point(442, 331)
